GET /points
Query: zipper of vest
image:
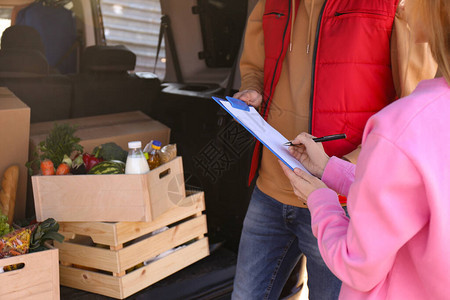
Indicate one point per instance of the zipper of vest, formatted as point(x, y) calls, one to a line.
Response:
point(311, 99)
point(278, 60)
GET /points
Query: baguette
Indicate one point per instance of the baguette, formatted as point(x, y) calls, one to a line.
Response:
point(8, 192)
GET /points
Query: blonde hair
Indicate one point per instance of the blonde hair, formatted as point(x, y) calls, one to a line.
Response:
point(436, 19)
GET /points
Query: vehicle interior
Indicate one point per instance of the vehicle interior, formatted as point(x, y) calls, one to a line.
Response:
point(166, 58)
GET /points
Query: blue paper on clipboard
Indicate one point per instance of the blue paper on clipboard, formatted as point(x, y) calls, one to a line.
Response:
point(250, 118)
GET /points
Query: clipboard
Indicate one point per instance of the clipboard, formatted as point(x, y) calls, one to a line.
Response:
point(250, 118)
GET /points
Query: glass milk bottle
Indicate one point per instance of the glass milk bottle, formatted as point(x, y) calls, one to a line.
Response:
point(136, 162)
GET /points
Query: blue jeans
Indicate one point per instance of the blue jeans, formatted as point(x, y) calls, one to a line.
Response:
point(273, 239)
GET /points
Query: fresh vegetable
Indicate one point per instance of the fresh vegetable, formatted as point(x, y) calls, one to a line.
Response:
point(91, 160)
point(63, 169)
point(4, 226)
point(28, 239)
point(108, 167)
point(47, 230)
point(111, 151)
point(60, 141)
point(78, 166)
point(67, 160)
point(47, 167)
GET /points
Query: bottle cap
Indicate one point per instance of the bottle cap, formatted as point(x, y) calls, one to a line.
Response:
point(156, 144)
point(134, 144)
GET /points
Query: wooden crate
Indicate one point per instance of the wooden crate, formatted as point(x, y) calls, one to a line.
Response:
point(124, 245)
point(38, 279)
point(109, 198)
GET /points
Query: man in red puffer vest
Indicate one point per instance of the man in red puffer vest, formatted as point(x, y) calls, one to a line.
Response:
point(324, 67)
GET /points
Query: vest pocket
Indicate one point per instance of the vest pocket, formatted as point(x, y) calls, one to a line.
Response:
point(275, 24)
point(361, 13)
point(276, 14)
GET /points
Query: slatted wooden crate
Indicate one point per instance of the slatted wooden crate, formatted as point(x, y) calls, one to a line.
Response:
point(124, 245)
point(109, 198)
point(37, 280)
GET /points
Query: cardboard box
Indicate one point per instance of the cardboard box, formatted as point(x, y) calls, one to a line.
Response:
point(14, 134)
point(120, 259)
point(119, 197)
point(120, 128)
point(37, 280)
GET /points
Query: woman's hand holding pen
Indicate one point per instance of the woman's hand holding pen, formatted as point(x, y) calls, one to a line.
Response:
point(251, 97)
point(313, 158)
point(310, 154)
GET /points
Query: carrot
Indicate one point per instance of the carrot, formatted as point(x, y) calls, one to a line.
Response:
point(47, 167)
point(63, 169)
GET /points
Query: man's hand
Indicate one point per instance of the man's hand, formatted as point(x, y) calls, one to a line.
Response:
point(251, 97)
point(302, 183)
point(310, 154)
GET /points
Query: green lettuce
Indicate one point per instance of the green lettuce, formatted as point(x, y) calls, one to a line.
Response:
point(4, 226)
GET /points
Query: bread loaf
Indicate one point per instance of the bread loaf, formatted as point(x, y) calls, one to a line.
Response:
point(8, 192)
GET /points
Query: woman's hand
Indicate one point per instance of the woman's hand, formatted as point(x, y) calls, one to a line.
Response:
point(310, 154)
point(302, 183)
point(251, 97)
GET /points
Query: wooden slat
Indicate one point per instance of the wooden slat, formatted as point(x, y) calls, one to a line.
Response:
point(89, 256)
point(139, 279)
point(113, 234)
point(192, 204)
point(130, 256)
point(100, 232)
point(122, 287)
point(155, 245)
point(91, 281)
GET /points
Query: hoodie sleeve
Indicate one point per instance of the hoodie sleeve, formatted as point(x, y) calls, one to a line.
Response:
point(411, 61)
point(339, 175)
point(252, 59)
point(387, 207)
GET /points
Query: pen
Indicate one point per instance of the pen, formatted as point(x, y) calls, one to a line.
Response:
point(322, 139)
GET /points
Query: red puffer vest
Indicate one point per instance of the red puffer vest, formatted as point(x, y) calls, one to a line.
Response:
point(351, 76)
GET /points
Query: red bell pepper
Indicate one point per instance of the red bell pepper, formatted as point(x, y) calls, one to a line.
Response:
point(90, 160)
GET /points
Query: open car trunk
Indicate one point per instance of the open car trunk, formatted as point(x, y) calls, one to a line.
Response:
point(203, 42)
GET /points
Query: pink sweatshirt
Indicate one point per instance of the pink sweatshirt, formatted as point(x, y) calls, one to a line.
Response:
point(396, 244)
